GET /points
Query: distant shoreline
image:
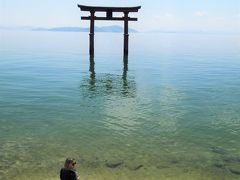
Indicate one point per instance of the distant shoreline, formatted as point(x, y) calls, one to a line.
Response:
point(115, 29)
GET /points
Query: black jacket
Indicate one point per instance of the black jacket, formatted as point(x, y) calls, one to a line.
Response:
point(68, 174)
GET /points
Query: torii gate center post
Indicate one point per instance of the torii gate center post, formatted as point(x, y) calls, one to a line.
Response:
point(109, 16)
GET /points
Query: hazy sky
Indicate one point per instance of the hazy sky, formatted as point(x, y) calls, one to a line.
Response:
point(213, 15)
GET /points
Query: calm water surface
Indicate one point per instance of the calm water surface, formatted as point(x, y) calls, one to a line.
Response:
point(169, 111)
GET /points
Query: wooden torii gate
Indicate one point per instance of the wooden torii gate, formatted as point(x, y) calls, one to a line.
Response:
point(109, 16)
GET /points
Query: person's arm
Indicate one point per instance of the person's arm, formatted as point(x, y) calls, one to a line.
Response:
point(61, 174)
point(74, 175)
point(77, 177)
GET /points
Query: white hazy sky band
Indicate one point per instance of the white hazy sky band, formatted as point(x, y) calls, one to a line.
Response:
point(203, 15)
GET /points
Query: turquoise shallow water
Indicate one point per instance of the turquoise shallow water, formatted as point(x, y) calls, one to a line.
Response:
point(171, 112)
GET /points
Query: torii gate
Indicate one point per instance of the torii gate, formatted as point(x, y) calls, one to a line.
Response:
point(109, 16)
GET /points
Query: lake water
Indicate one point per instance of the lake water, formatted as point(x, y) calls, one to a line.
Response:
point(169, 111)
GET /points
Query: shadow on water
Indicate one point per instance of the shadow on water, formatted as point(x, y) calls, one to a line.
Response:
point(107, 84)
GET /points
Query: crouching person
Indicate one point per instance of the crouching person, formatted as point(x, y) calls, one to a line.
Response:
point(68, 172)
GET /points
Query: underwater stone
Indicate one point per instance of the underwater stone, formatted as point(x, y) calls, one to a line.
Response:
point(231, 159)
point(174, 161)
point(219, 165)
point(114, 165)
point(218, 150)
point(234, 171)
point(162, 167)
point(137, 167)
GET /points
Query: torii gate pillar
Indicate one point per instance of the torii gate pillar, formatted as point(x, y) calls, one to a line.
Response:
point(91, 35)
point(126, 35)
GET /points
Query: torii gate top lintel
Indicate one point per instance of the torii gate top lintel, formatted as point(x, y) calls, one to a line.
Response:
point(109, 16)
point(105, 8)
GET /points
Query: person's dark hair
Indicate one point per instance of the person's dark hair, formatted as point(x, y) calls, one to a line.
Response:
point(69, 161)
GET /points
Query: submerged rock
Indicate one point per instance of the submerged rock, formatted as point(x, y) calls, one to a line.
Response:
point(234, 171)
point(219, 165)
point(114, 165)
point(218, 150)
point(162, 167)
point(138, 167)
point(174, 161)
point(231, 159)
point(234, 168)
